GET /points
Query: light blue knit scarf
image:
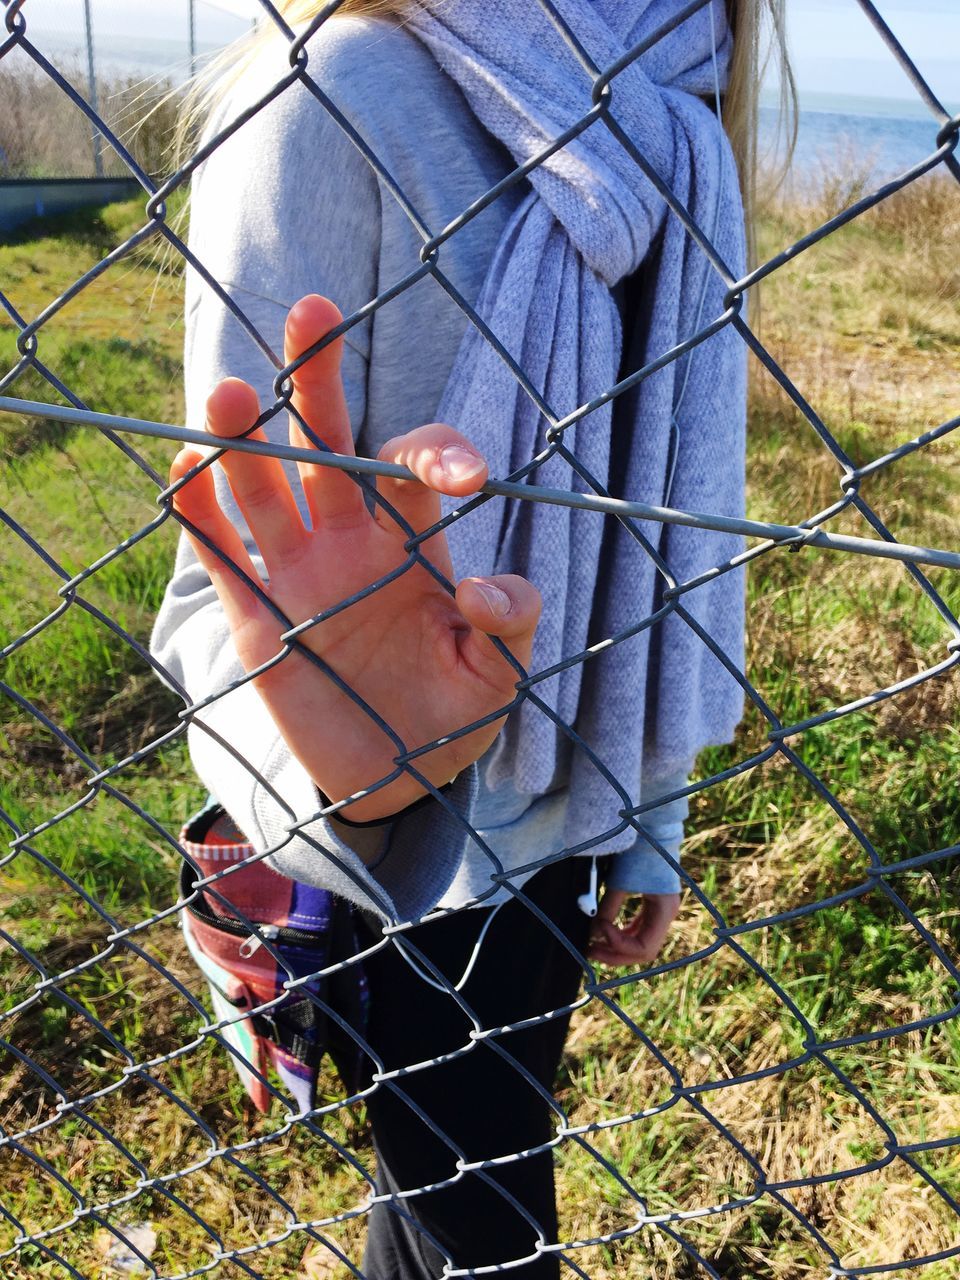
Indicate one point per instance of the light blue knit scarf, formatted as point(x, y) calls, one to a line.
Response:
point(646, 706)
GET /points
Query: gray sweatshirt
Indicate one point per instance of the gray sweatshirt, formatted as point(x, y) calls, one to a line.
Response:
point(289, 206)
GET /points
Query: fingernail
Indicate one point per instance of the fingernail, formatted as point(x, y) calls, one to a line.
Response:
point(459, 463)
point(498, 601)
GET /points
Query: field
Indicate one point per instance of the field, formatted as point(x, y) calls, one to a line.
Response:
point(867, 324)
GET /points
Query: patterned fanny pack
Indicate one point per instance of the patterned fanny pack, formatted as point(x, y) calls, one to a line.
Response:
point(309, 929)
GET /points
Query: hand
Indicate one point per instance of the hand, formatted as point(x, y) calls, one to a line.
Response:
point(420, 658)
point(638, 942)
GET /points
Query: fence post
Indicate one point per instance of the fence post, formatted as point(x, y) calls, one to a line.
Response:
point(92, 89)
point(192, 9)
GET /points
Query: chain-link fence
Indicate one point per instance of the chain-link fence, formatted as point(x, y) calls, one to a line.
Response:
point(680, 1141)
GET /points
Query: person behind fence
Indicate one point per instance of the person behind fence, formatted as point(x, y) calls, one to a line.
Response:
point(511, 837)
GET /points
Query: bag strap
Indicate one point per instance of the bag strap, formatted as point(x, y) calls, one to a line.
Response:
point(286, 1027)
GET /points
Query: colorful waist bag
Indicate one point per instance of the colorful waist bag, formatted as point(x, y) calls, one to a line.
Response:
point(309, 929)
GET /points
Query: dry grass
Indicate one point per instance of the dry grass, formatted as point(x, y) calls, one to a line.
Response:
point(45, 135)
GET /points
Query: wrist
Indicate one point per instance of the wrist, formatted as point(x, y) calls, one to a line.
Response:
point(383, 819)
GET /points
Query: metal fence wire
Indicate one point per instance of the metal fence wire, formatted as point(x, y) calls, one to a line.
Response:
point(120, 1184)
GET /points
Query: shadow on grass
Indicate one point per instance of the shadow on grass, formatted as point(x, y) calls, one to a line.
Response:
point(81, 227)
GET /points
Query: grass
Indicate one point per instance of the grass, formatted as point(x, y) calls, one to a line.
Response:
point(866, 324)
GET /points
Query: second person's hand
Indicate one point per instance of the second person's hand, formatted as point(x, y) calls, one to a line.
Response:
point(639, 941)
point(420, 658)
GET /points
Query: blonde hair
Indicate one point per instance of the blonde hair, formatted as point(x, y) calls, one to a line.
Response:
point(740, 105)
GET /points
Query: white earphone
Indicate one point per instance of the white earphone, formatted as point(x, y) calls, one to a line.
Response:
point(587, 902)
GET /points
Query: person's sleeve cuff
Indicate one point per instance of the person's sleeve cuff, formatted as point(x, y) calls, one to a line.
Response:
point(399, 871)
point(642, 868)
point(415, 866)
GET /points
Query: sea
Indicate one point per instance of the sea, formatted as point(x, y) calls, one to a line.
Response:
point(878, 138)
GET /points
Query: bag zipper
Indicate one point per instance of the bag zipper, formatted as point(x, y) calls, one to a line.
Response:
point(253, 943)
point(272, 932)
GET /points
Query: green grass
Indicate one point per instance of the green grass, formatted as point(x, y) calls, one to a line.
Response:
point(65, 486)
point(867, 325)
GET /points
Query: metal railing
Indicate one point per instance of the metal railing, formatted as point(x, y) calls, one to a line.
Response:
point(51, 1244)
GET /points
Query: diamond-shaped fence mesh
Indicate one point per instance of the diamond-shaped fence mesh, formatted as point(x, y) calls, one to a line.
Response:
point(771, 1097)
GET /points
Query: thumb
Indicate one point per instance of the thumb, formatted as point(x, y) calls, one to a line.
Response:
point(506, 606)
point(652, 923)
point(611, 904)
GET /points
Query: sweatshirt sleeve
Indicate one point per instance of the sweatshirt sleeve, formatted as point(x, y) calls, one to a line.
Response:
point(286, 206)
point(642, 868)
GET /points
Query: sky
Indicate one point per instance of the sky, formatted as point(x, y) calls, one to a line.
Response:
point(834, 49)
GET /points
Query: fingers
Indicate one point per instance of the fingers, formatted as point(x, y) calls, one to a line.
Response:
point(622, 949)
point(197, 502)
point(258, 483)
point(611, 904)
point(443, 461)
point(506, 606)
point(333, 497)
point(640, 941)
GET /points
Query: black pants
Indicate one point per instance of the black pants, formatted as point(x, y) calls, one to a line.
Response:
point(479, 1101)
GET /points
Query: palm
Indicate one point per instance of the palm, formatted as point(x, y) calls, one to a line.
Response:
point(420, 659)
point(397, 649)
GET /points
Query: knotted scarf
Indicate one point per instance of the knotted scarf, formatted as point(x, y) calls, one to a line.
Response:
point(646, 705)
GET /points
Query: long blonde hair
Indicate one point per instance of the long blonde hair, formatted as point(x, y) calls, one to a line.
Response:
point(740, 106)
